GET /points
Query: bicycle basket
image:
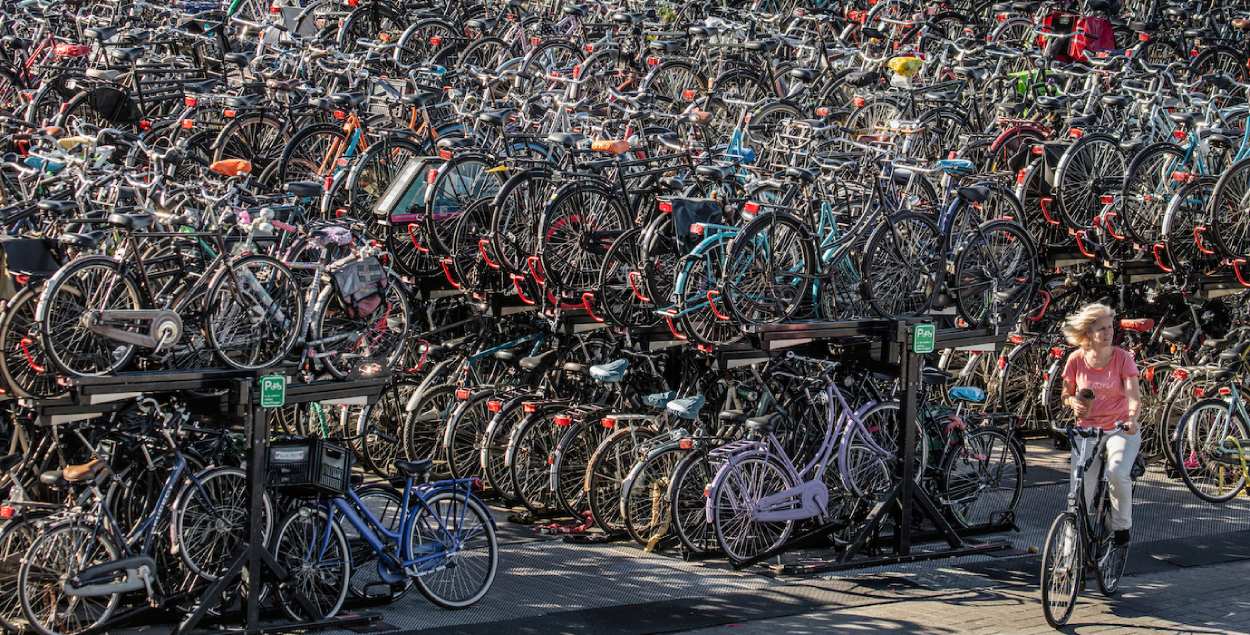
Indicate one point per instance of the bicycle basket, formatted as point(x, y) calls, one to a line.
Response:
point(360, 285)
point(309, 467)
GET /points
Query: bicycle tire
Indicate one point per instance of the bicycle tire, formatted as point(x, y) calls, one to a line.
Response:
point(65, 294)
point(324, 588)
point(1194, 450)
point(995, 294)
point(645, 496)
point(94, 548)
point(766, 476)
point(978, 449)
point(606, 471)
point(1063, 551)
point(462, 548)
point(916, 252)
point(233, 307)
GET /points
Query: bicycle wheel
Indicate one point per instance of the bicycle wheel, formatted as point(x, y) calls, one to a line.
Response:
point(255, 313)
point(86, 285)
point(1230, 230)
point(255, 136)
point(24, 366)
point(458, 184)
point(617, 299)
point(534, 444)
point(209, 520)
point(59, 554)
point(902, 265)
point(996, 275)
point(577, 228)
point(454, 538)
point(645, 498)
point(385, 504)
point(348, 340)
point(495, 446)
point(568, 468)
point(379, 428)
point(314, 552)
point(605, 474)
point(982, 479)
point(691, 476)
point(1207, 458)
point(768, 270)
point(735, 492)
point(1111, 558)
point(514, 217)
point(311, 153)
point(694, 290)
point(423, 424)
point(16, 538)
point(1148, 186)
point(1091, 167)
point(462, 437)
point(1063, 567)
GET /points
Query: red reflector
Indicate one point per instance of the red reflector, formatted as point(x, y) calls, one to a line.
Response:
point(274, 8)
point(751, 208)
point(563, 421)
point(340, 212)
point(190, 102)
point(229, 113)
point(535, 40)
point(7, 512)
point(529, 407)
point(688, 94)
point(187, 124)
point(1181, 374)
point(858, 102)
point(686, 444)
point(1179, 135)
point(1143, 37)
point(1224, 392)
point(1056, 352)
point(436, 40)
point(444, 154)
point(1015, 338)
point(653, 60)
point(666, 207)
point(1181, 177)
point(608, 422)
point(463, 394)
point(707, 490)
point(1200, 392)
point(1076, 133)
point(822, 111)
point(577, 71)
point(432, 175)
point(589, 48)
point(1106, 199)
point(478, 485)
point(339, 115)
point(494, 405)
point(1002, 362)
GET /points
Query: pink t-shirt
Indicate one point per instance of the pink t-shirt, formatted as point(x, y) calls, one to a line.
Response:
point(1110, 403)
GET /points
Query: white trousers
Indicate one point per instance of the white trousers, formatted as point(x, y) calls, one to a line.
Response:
point(1120, 450)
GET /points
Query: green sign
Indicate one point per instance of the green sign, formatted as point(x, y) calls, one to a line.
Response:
point(923, 337)
point(272, 391)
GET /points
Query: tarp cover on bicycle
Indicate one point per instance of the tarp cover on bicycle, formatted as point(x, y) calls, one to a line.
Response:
point(360, 285)
point(688, 211)
point(28, 256)
point(114, 105)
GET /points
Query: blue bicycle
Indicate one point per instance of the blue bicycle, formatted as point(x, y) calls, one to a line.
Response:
point(437, 535)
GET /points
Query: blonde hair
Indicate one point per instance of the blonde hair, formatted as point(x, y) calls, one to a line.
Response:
point(1076, 326)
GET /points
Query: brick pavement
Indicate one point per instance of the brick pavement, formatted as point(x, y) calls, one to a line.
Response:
point(1204, 599)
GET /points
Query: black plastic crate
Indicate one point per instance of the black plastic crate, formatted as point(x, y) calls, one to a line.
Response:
point(309, 467)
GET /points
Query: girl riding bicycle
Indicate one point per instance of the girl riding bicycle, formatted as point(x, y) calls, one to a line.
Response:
point(1100, 385)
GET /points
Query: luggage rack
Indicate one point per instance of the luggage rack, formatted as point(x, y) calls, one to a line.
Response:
point(238, 395)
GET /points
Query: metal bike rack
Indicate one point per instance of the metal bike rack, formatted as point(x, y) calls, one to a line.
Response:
point(886, 343)
point(92, 396)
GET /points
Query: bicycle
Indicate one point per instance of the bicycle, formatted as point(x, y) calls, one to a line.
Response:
point(422, 537)
point(1080, 537)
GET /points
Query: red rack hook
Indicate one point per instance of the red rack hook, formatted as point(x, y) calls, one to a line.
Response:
point(588, 300)
point(711, 303)
point(1110, 227)
point(532, 263)
point(30, 359)
point(1199, 230)
point(1046, 297)
point(445, 263)
point(516, 284)
point(412, 234)
point(1236, 264)
point(1159, 258)
point(668, 319)
point(1080, 243)
point(1044, 204)
point(481, 248)
point(635, 286)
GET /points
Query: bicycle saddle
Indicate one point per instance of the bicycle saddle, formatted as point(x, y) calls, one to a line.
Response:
point(761, 425)
point(1115, 101)
point(419, 468)
point(658, 400)
point(977, 73)
point(303, 189)
point(573, 9)
point(1174, 333)
point(666, 46)
point(243, 102)
point(495, 117)
point(574, 367)
point(57, 206)
point(238, 59)
point(716, 172)
point(84, 241)
point(1047, 102)
point(481, 24)
point(611, 372)
point(956, 166)
point(455, 143)
point(53, 479)
point(104, 74)
point(860, 79)
point(762, 46)
point(422, 99)
point(100, 33)
point(934, 376)
point(128, 54)
point(83, 471)
point(201, 86)
point(1187, 119)
point(803, 174)
point(348, 100)
point(731, 416)
point(134, 221)
point(803, 74)
point(686, 407)
point(974, 193)
point(628, 18)
point(566, 139)
point(534, 362)
point(971, 394)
